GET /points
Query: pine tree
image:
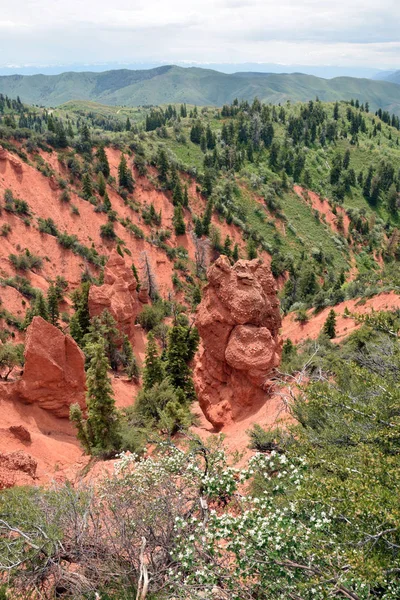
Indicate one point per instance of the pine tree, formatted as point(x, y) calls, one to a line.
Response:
point(178, 221)
point(101, 184)
point(80, 320)
point(177, 195)
point(185, 201)
point(102, 420)
point(40, 307)
point(52, 304)
point(251, 249)
point(124, 176)
point(87, 188)
point(330, 325)
point(103, 164)
point(153, 369)
point(163, 165)
point(128, 124)
point(227, 246)
point(207, 217)
point(235, 253)
point(106, 202)
point(198, 228)
point(182, 345)
point(128, 359)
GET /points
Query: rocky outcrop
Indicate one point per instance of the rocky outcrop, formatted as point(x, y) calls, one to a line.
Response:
point(118, 294)
point(21, 433)
point(54, 374)
point(3, 153)
point(238, 320)
point(16, 468)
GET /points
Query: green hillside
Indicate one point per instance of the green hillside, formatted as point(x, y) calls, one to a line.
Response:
point(204, 87)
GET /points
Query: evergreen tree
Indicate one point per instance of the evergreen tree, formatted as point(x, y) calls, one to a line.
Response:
point(185, 201)
point(336, 111)
point(106, 202)
point(182, 345)
point(207, 217)
point(178, 221)
point(198, 228)
point(163, 165)
point(330, 325)
point(177, 195)
point(128, 359)
point(128, 124)
point(40, 307)
point(52, 304)
point(80, 320)
point(102, 164)
point(124, 176)
point(102, 419)
point(101, 184)
point(251, 249)
point(235, 253)
point(87, 188)
point(153, 369)
point(227, 246)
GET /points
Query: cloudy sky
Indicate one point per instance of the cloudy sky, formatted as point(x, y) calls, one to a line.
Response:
point(310, 32)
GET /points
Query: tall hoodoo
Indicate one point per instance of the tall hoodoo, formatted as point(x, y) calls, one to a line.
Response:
point(238, 321)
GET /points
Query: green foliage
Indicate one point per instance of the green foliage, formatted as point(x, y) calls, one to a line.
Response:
point(99, 432)
point(26, 261)
point(151, 316)
point(154, 369)
point(11, 356)
point(329, 327)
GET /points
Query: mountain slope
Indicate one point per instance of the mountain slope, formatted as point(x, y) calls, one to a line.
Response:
point(171, 84)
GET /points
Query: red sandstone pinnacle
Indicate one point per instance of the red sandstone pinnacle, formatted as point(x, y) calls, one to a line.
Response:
point(117, 294)
point(238, 320)
point(54, 373)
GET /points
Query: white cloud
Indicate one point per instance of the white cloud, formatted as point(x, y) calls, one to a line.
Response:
point(359, 32)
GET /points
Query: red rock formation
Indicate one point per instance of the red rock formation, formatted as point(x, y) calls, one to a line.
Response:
point(16, 468)
point(3, 153)
point(20, 432)
point(117, 294)
point(54, 374)
point(238, 321)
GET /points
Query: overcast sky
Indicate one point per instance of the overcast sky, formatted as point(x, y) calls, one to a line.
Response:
point(310, 32)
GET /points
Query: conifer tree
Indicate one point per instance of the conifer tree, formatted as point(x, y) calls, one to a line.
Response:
point(102, 420)
point(178, 221)
point(185, 201)
point(251, 249)
point(101, 184)
point(227, 246)
point(207, 217)
point(154, 369)
point(52, 305)
point(106, 202)
point(235, 253)
point(330, 325)
point(103, 164)
point(87, 188)
point(182, 345)
point(80, 320)
point(177, 195)
point(124, 176)
point(40, 307)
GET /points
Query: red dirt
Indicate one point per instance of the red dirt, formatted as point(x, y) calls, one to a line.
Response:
point(344, 325)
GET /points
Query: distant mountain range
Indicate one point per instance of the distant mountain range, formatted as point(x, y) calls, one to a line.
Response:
point(193, 85)
point(393, 77)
